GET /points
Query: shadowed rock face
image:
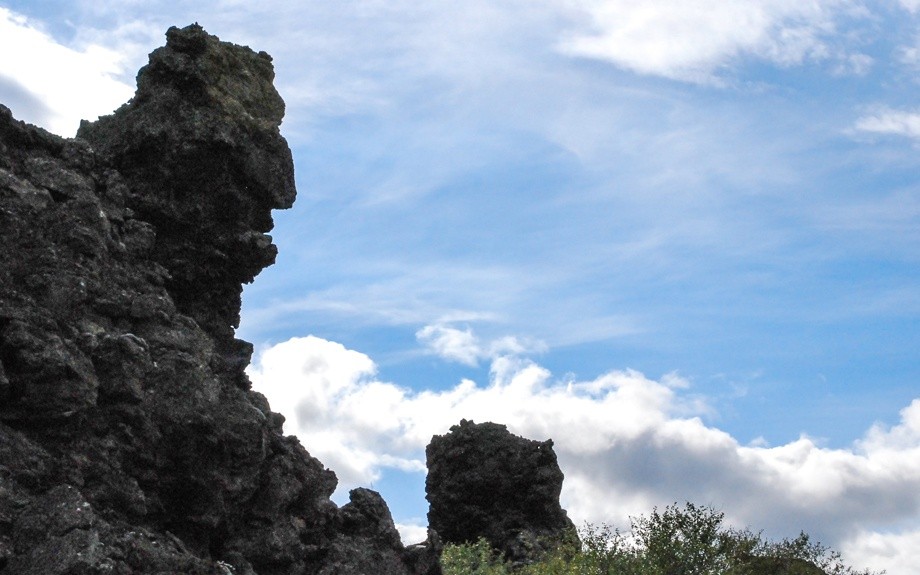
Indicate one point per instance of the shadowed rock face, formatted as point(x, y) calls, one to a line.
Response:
point(208, 114)
point(130, 440)
point(485, 482)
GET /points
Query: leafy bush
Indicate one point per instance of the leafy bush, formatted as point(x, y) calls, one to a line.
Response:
point(688, 540)
point(795, 553)
point(472, 559)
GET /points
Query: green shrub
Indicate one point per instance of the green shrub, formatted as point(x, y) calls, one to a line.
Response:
point(472, 559)
point(793, 554)
point(688, 540)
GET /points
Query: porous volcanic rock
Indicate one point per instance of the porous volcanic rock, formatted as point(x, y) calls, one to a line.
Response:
point(130, 440)
point(485, 482)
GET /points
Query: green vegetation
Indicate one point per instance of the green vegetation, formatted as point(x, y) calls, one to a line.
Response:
point(688, 540)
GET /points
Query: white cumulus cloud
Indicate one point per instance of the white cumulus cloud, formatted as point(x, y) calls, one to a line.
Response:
point(53, 85)
point(318, 385)
point(891, 122)
point(451, 343)
point(693, 41)
point(463, 346)
point(625, 443)
point(898, 552)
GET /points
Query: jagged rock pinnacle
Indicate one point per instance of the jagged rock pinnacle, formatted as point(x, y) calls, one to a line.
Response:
point(130, 441)
point(206, 163)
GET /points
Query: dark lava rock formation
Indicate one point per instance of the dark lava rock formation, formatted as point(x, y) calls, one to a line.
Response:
point(485, 482)
point(130, 440)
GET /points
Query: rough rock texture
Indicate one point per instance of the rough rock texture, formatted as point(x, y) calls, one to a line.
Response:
point(130, 441)
point(485, 482)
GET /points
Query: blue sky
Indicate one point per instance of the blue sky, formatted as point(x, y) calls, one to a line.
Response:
point(680, 239)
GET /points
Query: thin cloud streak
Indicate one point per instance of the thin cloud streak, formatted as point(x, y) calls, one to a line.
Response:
point(462, 345)
point(698, 42)
point(890, 122)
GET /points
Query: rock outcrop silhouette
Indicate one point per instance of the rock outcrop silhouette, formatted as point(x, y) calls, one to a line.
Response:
point(485, 482)
point(130, 440)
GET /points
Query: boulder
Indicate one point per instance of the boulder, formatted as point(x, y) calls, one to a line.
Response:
point(484, 482)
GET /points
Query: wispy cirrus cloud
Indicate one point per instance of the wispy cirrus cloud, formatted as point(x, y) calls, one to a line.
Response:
point(697, 42)
point(891, 122)
point(451, 343)
point(463, 346)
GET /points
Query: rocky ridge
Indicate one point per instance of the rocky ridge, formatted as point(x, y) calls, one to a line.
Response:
point(130, 440)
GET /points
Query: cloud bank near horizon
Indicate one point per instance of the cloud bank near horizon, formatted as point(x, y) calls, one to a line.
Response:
point(625, 442)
